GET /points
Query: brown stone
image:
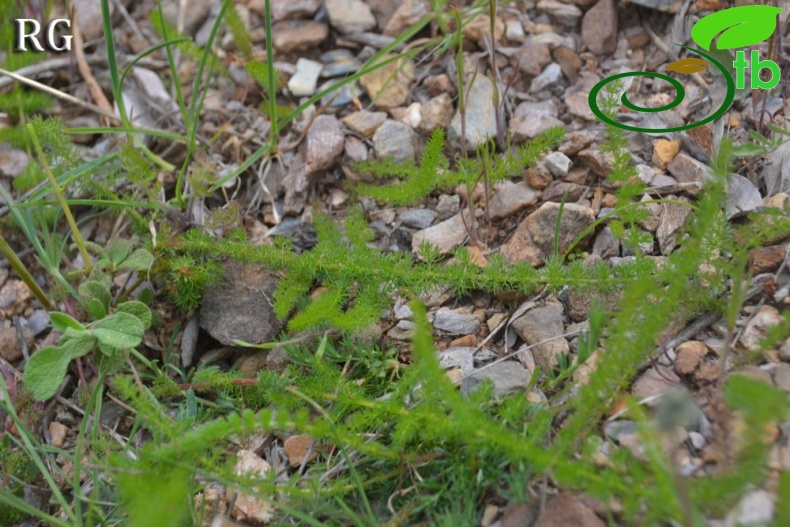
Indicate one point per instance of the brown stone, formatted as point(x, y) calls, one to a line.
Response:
point(364, 122)
point(664, 152)
point(388, 86)
point(533, 240)
point(690, 355)
point(565, 510)
point(569, 61)
point(537, 177)
point(599, 28)
point(766, 259)
point(294, 35)
point(57, 434)
point(296, 448)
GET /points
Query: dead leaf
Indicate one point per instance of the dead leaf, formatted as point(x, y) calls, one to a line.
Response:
point(688, 66)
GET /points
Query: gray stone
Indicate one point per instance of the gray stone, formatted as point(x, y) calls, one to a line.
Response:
point(396, 140)
point(286, 9)
point(480, 114)
point(531, 119)
point(541, 324)
point(742, 196)
point(339, 62)
point(565, 14)
point(445, 235)
point(448, 206)
point(303, 82)
point(550, 76)
point(239, 305)
point(459, 357)
point(38, 321)
point(508, 377)
point(558, 164)
point(655, 383)
point(350, 16)
point(323, 144)
point(531, 58)
point(436, 113)
point(755, 508)
point(697, 440)
point(606, 245)
point(686, 169)
point(13, 161)
point(389, 86)
point(511, 198)
point(455, 323)
point(418, 218)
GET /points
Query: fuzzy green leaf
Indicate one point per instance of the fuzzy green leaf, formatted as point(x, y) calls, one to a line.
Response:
point(62, 321)
point(45, 371)
point(96, 309)
point(79, 346)
point(139, 260)
point(118, 250)
point(95, 289)
point(138, 309)
point(121, 330)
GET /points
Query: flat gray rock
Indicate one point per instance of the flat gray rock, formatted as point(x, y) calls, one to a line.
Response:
point(508, 377)
point(455, 323)
point(239, 305)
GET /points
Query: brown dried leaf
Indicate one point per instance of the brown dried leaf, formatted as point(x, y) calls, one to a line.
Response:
point(688, 66)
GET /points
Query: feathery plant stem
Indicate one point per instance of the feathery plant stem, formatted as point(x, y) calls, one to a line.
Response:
point(75, 231)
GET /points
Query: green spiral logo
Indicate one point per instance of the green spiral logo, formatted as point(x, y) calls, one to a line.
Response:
point(680, 94)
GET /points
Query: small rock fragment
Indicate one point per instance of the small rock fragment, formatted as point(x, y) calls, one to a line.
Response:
point(686, 169)
point(248, 507)
point(294, 35)
point(445, 235)
point(296, 448)
point(408, 13)
point(550, 76)
point(673, 219)
point(533, 240)
point(664, 151)
point(690, 355)
point(654, 383)
point(757, 327)
point(558, 164)
point(511, 198)
point(364, 122)
point(396, 140)
point(436, 113)
point(564, 14)
point(569, 62)
point(531, 58)
point(350, 16)
point(742, 196)
point(57, 434)
point(599, 27)
point(755, 508)
point(507, 377)
point(564, 510)
point(239, 306)
point(606, 244)
point(544, 324)
point(388, 86)
point(766, 259)
point(303, 82)
point(457, 357)
point(782, 376)
point(418, 218)
point(480, 114)
point(455, 323)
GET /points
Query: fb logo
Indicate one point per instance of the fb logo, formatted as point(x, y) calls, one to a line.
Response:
point(27, 30)
point(736, 27)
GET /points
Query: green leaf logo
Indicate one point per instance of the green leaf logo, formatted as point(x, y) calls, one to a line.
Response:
point(739, 27)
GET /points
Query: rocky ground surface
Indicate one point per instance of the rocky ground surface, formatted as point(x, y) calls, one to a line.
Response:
point(550, 53)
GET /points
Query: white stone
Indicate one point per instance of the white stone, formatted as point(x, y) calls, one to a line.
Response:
point(304, 80)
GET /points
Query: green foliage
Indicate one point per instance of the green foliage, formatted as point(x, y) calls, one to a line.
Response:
point(434, 171)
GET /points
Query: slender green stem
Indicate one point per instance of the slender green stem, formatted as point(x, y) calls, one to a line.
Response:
point(24, 274)
point(274, 129)
point(75, 231)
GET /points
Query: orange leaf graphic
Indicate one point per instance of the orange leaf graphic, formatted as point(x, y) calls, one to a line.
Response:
point(688, 66)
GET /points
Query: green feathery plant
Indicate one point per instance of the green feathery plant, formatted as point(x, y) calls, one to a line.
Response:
point(434, 171)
